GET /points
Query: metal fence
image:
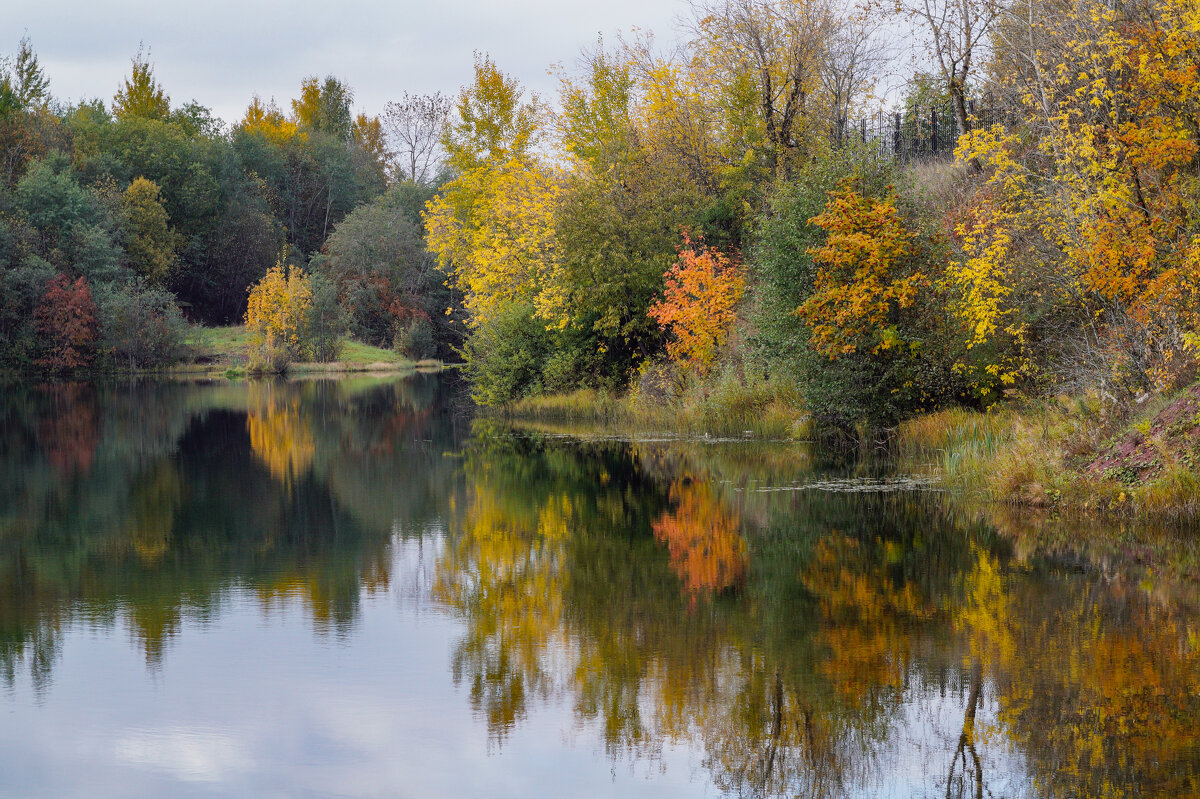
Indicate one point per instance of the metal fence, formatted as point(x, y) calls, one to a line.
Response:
point(916, 134)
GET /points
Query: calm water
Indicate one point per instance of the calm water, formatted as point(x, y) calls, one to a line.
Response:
point(350, 589)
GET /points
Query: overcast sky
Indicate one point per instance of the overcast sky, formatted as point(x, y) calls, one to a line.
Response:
point(221, 52)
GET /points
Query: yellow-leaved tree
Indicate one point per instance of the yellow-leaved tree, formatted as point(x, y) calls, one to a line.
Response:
point(492, 226)
point(862, 276)
point(277, 316)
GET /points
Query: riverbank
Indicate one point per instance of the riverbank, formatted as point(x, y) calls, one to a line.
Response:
point(223, 350)
point(722, 407)
point(1067, 455)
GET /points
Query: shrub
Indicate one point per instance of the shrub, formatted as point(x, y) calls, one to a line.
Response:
point(140, 326)
point(504, 355)
point(327, 320)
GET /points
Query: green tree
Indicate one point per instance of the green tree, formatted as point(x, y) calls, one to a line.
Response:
point(140, 325)
point(385, 277)
point(327, 320)
point(24, 83)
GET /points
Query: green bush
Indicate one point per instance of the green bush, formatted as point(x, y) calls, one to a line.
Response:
point(327, 320)
point(414, 340)
point(504, 355)
point(140, 326)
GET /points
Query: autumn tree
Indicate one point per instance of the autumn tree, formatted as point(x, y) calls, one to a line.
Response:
point(277, 314)
point(386, 279)
point(1092, 215)
point(699, 303)
point(149, 241)
point(624, 199)
point(324, 106)
point(492, 122)
point(370, 146)
point(66, 320)
point(862, 278)
point(141, 95)
point(268, 121)
point(492, 227)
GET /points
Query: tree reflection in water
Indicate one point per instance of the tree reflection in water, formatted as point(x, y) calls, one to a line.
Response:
point(800, 643)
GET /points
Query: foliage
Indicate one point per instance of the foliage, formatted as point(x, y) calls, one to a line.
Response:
point(327, 321)
point(493, 123)
point(277, 315)
point(505, 354)
point(860, 283)
point(699, 303)
point(1090, 209)
point(150, 243)
point(66, 320)
point(386, 280)
point(140, 95)
point(139, 325)
point(494, 227)
point(324, 107)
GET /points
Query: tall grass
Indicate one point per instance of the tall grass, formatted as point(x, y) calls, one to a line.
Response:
point(724, 406)
point(1039, 456)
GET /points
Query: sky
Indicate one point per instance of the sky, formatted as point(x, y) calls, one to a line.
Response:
point(222, 52)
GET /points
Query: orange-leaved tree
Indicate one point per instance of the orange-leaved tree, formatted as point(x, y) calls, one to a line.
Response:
point(699, 302)
point(863, 275)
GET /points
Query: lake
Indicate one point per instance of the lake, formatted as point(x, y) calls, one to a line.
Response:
point(354, 588)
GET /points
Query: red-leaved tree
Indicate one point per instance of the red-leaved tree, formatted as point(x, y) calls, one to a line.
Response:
point(66, 321)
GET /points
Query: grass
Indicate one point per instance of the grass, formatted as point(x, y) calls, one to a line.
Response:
point(1039, 456)
point(223, 350)
point(720, 406)
point(226, 345)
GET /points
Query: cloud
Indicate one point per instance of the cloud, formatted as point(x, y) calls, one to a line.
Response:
point(222, 52)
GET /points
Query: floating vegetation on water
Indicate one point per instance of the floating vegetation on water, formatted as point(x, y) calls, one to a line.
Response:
point(859, 485)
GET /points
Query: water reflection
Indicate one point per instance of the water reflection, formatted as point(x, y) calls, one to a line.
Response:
point(149, 502)
point(796, 643)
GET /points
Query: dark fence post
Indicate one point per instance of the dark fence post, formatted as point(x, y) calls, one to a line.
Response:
point(897, 136)
point(933, 142)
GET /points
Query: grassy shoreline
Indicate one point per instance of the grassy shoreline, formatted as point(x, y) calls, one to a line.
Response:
point(222, 351)
point(1062, 456)
point(725, 408)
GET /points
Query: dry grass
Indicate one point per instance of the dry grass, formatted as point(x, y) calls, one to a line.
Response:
point(1037, 456)
point(724, 406)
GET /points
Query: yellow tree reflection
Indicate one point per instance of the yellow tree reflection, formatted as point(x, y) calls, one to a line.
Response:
point(279, 434)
